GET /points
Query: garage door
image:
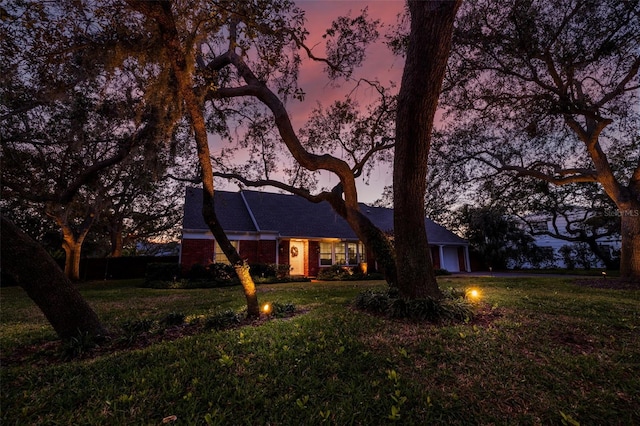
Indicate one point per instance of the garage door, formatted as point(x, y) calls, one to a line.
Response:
point(450, 261)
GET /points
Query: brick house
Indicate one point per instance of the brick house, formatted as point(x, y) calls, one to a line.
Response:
point(287, 229)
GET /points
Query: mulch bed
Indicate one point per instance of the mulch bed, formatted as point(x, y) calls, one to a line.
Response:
point(608, 283)
point(52, 352)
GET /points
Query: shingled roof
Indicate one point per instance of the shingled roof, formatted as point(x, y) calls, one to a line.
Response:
point(292, 216)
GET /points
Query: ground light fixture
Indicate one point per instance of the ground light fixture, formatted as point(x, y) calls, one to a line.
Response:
point(473, 294)
point(266, 308)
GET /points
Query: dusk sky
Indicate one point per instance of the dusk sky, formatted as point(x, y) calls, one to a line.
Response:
point(380, 65)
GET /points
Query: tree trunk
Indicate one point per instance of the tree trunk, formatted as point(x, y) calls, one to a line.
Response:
point(376, 241)
point(26, 262)
point(370, 235)
point(181, 64)
point(72, 250)
point(630, 255)
point(605, 257)
point(239, 265)
point(117, 242)
point(426, 60)
point(72, 239)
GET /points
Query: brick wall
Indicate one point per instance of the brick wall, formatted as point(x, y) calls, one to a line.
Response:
point(435, 256)
point(201, 251)
point(196, 251)
point(284, 252)
point(258, 251)
point(249, 251)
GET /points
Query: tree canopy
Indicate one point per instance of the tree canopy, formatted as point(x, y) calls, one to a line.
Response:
point(550, 90)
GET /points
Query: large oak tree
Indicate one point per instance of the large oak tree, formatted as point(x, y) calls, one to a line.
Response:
point(550, 90)
point(60, 134)
point(214, 72)
point(244, 51)
point(426, 56)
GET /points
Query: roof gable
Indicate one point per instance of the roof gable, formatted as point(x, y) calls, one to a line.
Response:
point(230, 210)
point(292, 216)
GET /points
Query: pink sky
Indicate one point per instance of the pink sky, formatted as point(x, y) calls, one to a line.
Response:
point(380, 64)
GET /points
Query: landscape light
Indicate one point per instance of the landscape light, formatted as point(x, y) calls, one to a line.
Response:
point(266, 308)
point(473, 294)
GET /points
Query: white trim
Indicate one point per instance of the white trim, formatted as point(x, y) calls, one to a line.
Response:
point(467, 261)
point(359, 254)
point(240, 236)
point(253, 218)
point(445, 243)
point(298, 262)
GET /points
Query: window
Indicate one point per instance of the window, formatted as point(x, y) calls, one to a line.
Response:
point(606, 249)
point(352, 253)
point(218, 254)
point(362, 253)
point(340, 258)
point(539, 226)
point(342, 253)
point(547, 252)
point(326, 254)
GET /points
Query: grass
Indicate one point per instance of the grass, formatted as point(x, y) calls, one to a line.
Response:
point(593, 272)
point(545, 351)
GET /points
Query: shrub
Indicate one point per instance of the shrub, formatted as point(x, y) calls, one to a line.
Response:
point(198, 272)
point(222, 320)
point(427, 309)
point(264, 270)
point(173, 318)
point(222, 272)
point(161, 272)
point(347, 273)
point(77, 345)
point(335, 273)
point(214, 275)
point(283, 271)
point(179, 284)
point(456, 310)
point(371, 301)
point(452, 307)
point(280, 310)
point(132, 329)
point(442, 271)
point(137, 326)
point(269, 273)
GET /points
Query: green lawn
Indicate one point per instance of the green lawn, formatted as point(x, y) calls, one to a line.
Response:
point(545, 351)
